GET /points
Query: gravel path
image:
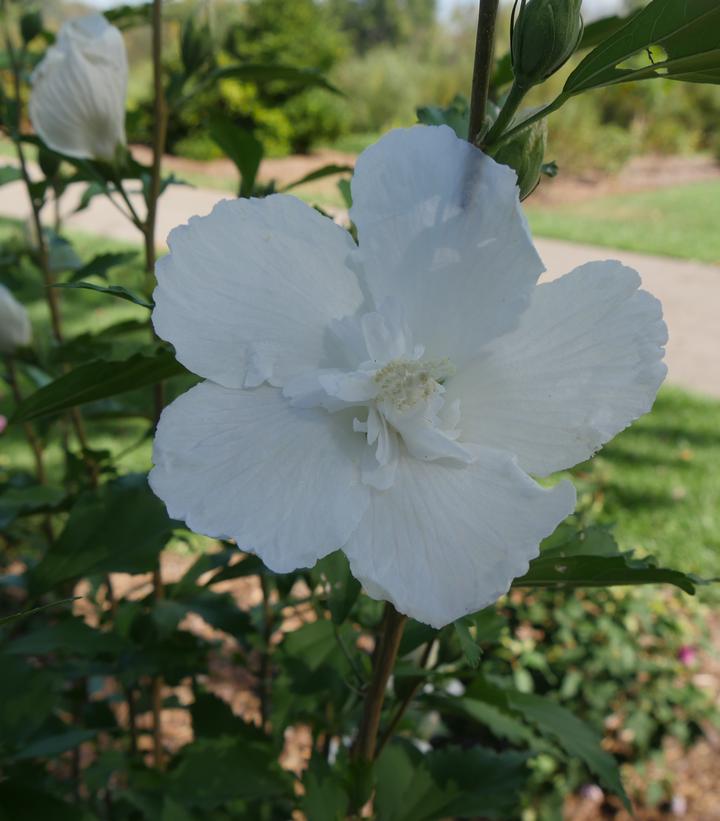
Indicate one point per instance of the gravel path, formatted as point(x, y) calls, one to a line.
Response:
point(689, 291)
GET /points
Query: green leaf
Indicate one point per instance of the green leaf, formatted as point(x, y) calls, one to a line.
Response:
point(496, 717)
point(102, 263)
point(456, 115)
point(325, 797)
point(61, 254)
point(114, 290)
point(119, 527)
point(312, 643)
point(319, 173)
point(261, 72)
point(213, 771)
point(52, 746)
point(592, 558)
point(594, 33)
point(342, 587)
point(71, 636)
point(676, 40)
point(28, 696)
point(92, 190)
point(212, 717)
point(572, 735)
point(345, 192)
point(448, 783)
point(555, 724)
point(25, 800)
point(242, 147)
point(98, 379)
point(128, 16)
point(9, 173)
point(470, 649)
point(24, 501)
point(25, 613)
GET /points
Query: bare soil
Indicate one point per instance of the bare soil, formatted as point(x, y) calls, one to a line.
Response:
point(640, 174)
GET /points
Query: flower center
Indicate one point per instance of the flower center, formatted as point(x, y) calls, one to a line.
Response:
point(404, 382)
point(398, 396)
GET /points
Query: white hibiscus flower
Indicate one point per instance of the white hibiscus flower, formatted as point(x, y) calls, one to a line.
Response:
point(391, 399)
point(77, 104)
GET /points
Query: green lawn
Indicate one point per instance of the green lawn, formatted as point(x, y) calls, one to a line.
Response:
point(680, 222)
point(659, 483)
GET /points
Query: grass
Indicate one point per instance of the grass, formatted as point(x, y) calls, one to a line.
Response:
point(659, 483)
point(680, 221)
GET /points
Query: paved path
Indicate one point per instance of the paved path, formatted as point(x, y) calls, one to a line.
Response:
point(689, 291)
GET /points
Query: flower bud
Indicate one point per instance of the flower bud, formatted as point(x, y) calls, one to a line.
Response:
point(31, 25)
point(15, 330)
point(544, 35)
point(524, 153)
point(77, 105)
point(195, 47)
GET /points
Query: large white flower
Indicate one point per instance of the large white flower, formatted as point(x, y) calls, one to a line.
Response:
point(392, 398)
point(77, 105)
point(15, 329)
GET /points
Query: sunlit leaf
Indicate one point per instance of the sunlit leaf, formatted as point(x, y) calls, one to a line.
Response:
point(593, 559)
point(677, 40)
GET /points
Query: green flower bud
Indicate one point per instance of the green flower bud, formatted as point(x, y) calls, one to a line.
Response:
point(544, 35)
point(524, 153)
point(49, 162)
point(31, 25)
point(196, 48)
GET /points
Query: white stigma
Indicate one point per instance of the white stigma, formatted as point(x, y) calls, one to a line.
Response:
point(404, 383)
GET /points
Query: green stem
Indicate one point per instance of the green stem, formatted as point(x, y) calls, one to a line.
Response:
point(407, 701)
point(159, 138)
point(533, 118)
point(384, 659)
point(482, 69)
point(507, 112)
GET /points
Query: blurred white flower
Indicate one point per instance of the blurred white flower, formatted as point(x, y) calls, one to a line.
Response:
point(392, 398)
point(15, 329)
point(77, 105)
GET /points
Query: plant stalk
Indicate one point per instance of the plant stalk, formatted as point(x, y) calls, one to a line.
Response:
point(393, 624)
point(159, 139)
point(28, 429)
point(265, 672)
point(482, 69)
point(507, 112)
point(157, 685)
point(406, 702)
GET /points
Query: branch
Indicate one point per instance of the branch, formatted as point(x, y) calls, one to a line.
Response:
point(484, 46)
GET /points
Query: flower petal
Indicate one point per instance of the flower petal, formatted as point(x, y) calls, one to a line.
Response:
point(447, 540)
point(584, 363)
point(283, 482)
point(247, 293)
point(441, 232)
point(77, 105)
